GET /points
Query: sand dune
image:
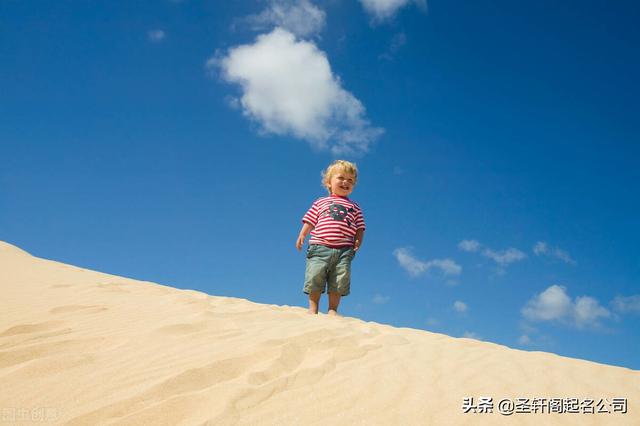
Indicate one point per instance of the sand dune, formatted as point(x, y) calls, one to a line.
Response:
point(80, 347)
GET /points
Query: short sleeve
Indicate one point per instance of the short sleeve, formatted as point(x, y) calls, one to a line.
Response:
point(311, 216)
point(360, 220)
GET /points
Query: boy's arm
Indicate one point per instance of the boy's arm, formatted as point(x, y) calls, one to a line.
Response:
point(359, 237)
point(306, 228)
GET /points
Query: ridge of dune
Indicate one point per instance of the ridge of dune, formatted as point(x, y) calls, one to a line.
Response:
point(80, 347)
point(9, 249)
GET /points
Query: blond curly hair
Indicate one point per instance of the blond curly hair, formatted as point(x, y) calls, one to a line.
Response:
point(335, 167)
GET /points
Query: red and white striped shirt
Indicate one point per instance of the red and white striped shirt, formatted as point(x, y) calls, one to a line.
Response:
point(335, 220)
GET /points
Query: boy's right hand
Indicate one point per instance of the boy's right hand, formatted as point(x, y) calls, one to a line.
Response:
point(306, 228)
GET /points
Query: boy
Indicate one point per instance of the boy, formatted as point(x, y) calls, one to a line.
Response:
point(337, 226)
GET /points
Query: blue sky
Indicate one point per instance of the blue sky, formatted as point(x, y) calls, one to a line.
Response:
point(181, 142)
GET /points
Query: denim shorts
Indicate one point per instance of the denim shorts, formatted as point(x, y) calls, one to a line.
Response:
point(328, 268)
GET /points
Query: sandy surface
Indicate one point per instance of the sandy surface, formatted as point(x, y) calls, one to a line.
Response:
point(81, 347)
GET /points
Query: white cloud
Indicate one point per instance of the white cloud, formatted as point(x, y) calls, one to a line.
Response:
point(469, 245)
point(524, 340)
point(629, 304)
point(563, 255)
point(587, 311)
point(379, 299)
point(551, 304)
point(412, 265)
point(471, 335)
point(554, 304)
point(299, 17)
point(502, 257)
point(541, 248)
point(447, 266)
point(416, 267)
point(460, 306)
point(397, 41)
point(289, 89)
point(156, 36)
point(527, 328)
point(381, 10)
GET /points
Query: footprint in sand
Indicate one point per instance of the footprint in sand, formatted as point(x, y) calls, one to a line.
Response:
point(60, 285)
point(31, 328)
point(75, 308)
point(114, 286)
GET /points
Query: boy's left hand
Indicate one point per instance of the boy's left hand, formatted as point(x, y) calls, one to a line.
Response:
point(356, 245)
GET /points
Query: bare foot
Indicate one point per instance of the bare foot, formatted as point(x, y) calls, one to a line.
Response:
point(334, 313)
point(312, 312)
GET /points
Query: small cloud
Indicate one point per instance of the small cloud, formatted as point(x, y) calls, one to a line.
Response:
point(397, 41)
point(379, 299)
point(398, 171)
point(554, 304)
point(541, 248)
point(527, 328)
point(524, 340)
point(288, 88)
point(412, 265)
point(416, 267)
point(447, 266)
point(563, 255)
point(460, 306)
point(531, 336)
point(469, 245)
point(551, 304)
point(504, 257)
point(432, 322)
point(587, 311)
point(156, 36)
point(299, 17)
point(471, 335)
point(383, 10)
point(233, 102)
point(627, 305)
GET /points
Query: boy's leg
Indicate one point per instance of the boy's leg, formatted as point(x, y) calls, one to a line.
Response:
point(315, 275)
point(334, 301)
point(314, 299)
point(339, 279)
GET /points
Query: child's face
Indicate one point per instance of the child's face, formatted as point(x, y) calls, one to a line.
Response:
point(341, 183)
